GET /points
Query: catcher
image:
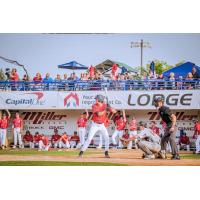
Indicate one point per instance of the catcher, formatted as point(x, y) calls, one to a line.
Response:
point(147, 141)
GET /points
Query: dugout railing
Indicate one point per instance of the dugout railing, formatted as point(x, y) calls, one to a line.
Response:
point(80, 85)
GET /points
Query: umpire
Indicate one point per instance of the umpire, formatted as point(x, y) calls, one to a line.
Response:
point(170, 131)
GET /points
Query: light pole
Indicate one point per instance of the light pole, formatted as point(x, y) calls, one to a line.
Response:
point(142, 44)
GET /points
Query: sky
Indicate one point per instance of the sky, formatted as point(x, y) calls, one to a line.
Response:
point(43, 52)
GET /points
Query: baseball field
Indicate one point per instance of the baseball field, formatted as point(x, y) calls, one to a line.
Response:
point(92, 157)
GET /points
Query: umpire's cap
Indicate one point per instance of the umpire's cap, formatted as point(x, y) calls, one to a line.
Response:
point(158, 99)
point(100, 97)
point(141, 123)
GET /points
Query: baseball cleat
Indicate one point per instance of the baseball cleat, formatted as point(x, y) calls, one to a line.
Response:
point(162, 155)
point(175, 157)
point(149, 157)
point(14, 147)
point(106, 154)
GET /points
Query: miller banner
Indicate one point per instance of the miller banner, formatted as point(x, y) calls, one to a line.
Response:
point(139, 100)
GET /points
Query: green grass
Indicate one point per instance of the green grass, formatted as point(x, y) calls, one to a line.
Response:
point(30, 152)
point(55, 163)
point(190, 156)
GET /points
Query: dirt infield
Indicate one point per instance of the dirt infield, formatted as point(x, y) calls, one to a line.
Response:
point(127, 157)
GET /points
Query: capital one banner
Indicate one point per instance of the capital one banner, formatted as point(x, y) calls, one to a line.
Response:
point(140, 100)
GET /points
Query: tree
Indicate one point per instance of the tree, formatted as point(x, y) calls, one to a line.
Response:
point(2, 75)
point(160, 66)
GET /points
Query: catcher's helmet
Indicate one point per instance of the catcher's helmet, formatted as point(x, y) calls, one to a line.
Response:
point(100, 98)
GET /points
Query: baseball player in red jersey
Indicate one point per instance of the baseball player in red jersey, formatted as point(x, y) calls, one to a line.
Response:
point(133, 132)
point(106, 123)
point(36, 139)
point(17, 130)
point(44, 143)
point(125, 139)
point(3, 128)
point(120, 127)
point(154, 128)
point(197, 135)
point(28, 139)
point(64, 141)
point(75, 141)
point(99, 110)
point(82, 123)
point(55, 138)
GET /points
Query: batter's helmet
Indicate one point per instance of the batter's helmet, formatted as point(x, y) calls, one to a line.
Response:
point(100, 98)
point(158, 99)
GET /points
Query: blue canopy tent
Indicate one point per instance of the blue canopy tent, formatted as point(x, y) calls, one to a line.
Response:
point(181, 70)
point(73, 65)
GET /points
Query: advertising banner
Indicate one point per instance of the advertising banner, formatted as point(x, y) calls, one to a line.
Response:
point(137, 100)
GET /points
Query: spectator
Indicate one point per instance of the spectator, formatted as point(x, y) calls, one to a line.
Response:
point(195, 73)
point(14, 75)
point(124, 70)
point(55, 139)
point(44, 143)
point(161, 83)
point(65, 77)
point(58, 84)
point(91, 71)
point(114, 69)
point(75, 141)
point(37, 78)
point(184, 141)
point(171, 81)
point(28, 140)
point(25, 79)
point(47, 78)
point(190, 84)
point(64, 141)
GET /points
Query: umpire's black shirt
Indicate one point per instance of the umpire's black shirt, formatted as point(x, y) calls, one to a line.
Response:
point(165, 114)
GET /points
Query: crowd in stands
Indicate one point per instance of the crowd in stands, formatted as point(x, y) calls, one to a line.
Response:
point(92, 79)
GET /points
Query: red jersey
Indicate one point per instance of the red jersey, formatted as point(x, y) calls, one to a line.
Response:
point(82, 122)
point(18, 123)
point(99, 108)
point(91, 69)
point(116, 118)
point(107, 122)
point(197, 128)
point(133, 125)
point(15, 77)
point(4, 123)
point(37, 138)
point(121, 124)
point(114, 68)
point(155, 130)
point(45, 140)
point(36, 79)
point(125, 136)
point(64, 138)
point(55, 138)
point(75, 138)
point(184, 140)
point(28, 138)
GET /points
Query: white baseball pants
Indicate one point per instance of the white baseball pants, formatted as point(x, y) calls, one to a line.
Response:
point(100, 141)
point(3, 133)
point(17, 136)
point(64, 145)
point(93, 130)
point(31, 144)
point(198, 144)
point(55, 144)
point(81, 134)
point(43, 147)
point(153, 147)
point(116, 134)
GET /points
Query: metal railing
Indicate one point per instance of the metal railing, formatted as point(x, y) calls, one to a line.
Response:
point(100, 85)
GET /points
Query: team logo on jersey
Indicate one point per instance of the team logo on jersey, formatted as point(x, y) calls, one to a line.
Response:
point(71, 100)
